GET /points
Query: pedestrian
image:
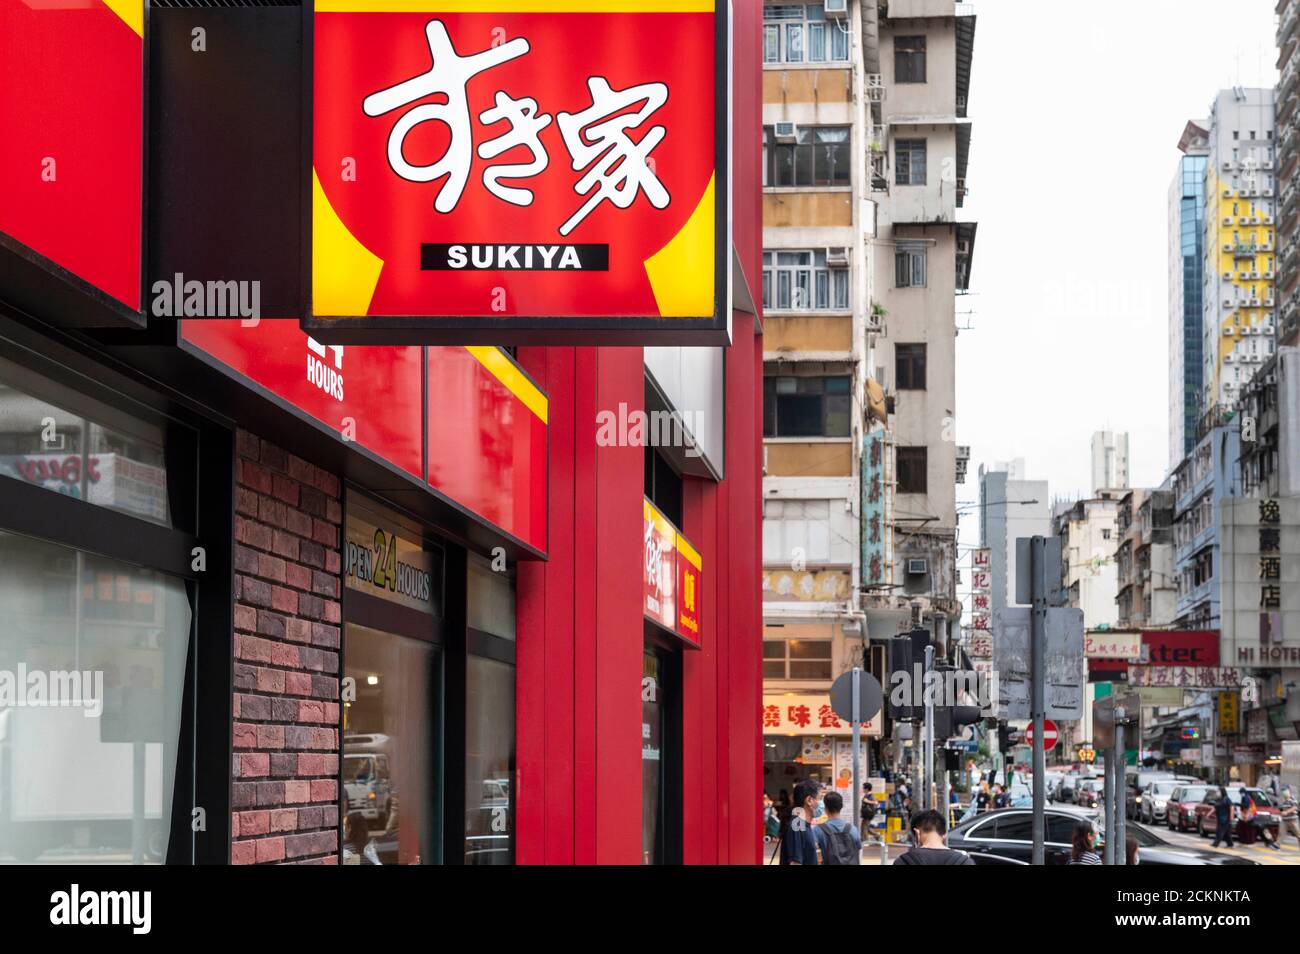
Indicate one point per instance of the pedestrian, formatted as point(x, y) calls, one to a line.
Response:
point(1000, 797)
point(983, 798)
point(1131, 843)
point(1084, 844)
point(868, 810)
point(928, 846)
point(1290, 816)
point(783, 806)
point(798, 843)
point(839, 842)
point(1250, 814)
point(1223, 811)
point(771, 821)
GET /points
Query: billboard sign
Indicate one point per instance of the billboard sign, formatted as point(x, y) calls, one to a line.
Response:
point(509, 172)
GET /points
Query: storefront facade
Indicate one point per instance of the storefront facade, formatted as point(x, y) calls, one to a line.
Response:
point(346, 604)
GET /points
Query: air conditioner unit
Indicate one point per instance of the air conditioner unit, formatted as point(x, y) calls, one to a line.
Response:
point(918, 567)
point(1268, 275)
point(1268, 303)
point(786, 132)
point(1227, 163)
point(963, 247)
point(1245, 220)
point(1227, 359)
point(1242, 275)
point(1255, 276)
point(1227, 276)
point(1227, 246)
point(1268, 194)
point(1254, 220)
point(1227, 220)
point(837, 256)
point(1227, 193)
point(1227, 303)
point(1227, 332)
point(836, 8)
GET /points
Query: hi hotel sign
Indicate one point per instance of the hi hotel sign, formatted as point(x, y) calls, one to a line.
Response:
point(1261, 582)
point(520, 171)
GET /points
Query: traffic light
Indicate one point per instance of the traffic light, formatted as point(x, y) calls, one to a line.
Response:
point(949, 720)
point(906, 669)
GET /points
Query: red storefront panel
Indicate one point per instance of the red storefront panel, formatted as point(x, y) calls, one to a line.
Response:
point(487, 439)
point(71, 136)
point(376, 392)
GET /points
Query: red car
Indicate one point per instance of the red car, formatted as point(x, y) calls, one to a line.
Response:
point(1181, 809)
point(1206, 822)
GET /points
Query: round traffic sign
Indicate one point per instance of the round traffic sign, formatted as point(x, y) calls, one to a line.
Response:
point(870, 696)
point(1050, 734)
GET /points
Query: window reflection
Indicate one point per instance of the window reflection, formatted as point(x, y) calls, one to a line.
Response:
point(489, 758)
point(87, 767)
point(389, 750)
point(110, 461)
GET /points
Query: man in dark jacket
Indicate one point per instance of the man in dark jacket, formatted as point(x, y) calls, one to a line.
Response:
point(928, 831)
point(1222, 818)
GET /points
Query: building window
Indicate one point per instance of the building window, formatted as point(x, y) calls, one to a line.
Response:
point(909, 366)
point(796, 659)
point(909, 265)
point(115, 638)
point(909, 162)
point(806, 406)
point(801, 33)
point(909, 59)
point(911, 470)
point(803, 280)
point(816, 156)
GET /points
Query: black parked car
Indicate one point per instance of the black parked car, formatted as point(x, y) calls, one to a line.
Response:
point(1008, 834)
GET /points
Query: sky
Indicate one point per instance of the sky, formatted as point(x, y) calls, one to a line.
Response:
point(1077, 111)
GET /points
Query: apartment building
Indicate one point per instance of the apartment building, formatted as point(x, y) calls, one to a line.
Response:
point(826, 481)
point(1241, 254)
point(1086, 529)
point(1010, 507)
point(1201, 483)
point(923, 256)
point(1144, 559)
point(1288, 182)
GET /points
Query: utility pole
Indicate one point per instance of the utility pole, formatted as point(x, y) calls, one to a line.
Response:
point(928, 745)
point(1038, 666)
point(1108, 796)
point(1121, 848)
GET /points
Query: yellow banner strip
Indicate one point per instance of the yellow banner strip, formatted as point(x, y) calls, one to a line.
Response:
point(504, 370)
point(515, 6)
point(685, 549)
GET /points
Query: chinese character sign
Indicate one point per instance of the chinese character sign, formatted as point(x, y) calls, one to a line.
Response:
point(808, 714)
point(659, 577)
point(981, 587)
point(672, 578)
point(497, 165)
point(874, 562)
point(690, 590)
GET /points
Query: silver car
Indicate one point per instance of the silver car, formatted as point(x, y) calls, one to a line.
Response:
point(1152, 803)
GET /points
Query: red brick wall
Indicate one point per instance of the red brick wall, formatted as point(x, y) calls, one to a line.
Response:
point(284, 802)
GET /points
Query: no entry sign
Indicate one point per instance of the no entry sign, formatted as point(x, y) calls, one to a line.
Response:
point(1050, 734)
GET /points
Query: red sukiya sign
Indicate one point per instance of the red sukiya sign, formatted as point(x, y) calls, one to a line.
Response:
point(504, 164)
point(71, 137)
